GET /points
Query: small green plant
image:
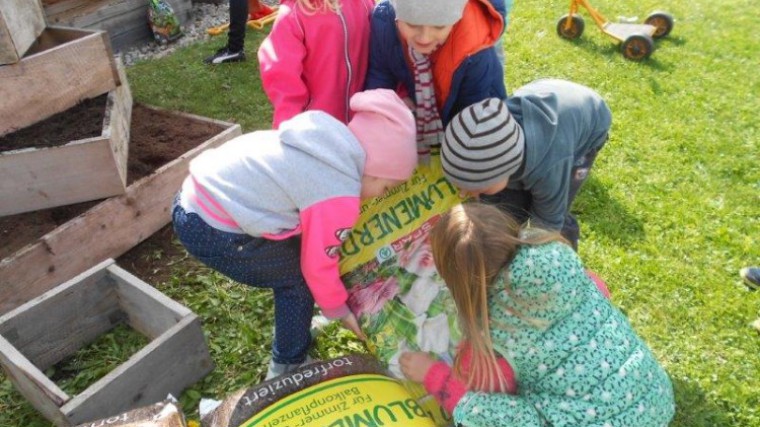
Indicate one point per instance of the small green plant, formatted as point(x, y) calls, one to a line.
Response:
point(80, 370)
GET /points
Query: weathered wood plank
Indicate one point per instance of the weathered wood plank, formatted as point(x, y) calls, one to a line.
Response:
point(175, 360)
point(61, 321)
point(68, 8)
point(21, 21)
point(117, 124)
point(106, 231)
point(83, 170)
point(148, 311)
point(42, 393)
point(56, 74)
point(124, 20)
point(74, 314)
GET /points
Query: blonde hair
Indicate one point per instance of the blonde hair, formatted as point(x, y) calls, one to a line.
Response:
point(311, 7)
point(471, 244)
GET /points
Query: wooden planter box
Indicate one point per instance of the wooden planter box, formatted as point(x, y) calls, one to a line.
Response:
point(107, 230)
point(87, 169)
point(64, 66)
point(21, 21)
point(124, 20)
point(41, 333)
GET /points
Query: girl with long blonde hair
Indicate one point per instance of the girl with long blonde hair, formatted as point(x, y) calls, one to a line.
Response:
point(523, 295)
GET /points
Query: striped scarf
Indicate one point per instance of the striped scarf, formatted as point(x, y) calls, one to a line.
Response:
point(429, 125)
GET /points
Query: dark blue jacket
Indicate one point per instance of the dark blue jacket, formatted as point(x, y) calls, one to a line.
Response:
point(562, 121)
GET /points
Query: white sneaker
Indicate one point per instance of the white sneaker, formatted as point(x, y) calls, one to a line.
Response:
point(318, 325)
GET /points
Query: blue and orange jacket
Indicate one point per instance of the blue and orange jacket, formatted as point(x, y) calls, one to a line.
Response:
point(464, 72)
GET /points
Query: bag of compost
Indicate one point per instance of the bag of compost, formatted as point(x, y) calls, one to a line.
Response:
point(296, 395)
point(394, 289)
point(163, 22)
point(161, 414)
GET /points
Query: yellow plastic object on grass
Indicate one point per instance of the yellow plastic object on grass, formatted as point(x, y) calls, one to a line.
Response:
point(636, 40)
point(258, 24)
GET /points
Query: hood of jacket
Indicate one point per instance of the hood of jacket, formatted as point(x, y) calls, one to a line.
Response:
point(325, 139)
point(480, 27)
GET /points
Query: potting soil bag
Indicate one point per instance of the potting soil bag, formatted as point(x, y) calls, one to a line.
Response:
point(163, 22)
point(352, 390)
point(162, 414)
point(394, 290)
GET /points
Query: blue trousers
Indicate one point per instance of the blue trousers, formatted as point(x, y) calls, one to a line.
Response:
point(261, 263)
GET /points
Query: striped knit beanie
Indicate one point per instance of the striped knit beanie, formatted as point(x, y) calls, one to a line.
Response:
point(483, 145)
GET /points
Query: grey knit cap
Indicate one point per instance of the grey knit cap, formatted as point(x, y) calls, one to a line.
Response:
point(429, 12)
point(483, 145)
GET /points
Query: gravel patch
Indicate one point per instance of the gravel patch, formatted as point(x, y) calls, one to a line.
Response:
point(203, 16)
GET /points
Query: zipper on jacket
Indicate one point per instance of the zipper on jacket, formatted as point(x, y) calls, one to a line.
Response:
point(348, 65)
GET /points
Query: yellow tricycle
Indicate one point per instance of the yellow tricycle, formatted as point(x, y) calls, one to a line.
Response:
point(636, 40)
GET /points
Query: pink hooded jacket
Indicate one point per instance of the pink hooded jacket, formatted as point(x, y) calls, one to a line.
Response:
point(315, 61)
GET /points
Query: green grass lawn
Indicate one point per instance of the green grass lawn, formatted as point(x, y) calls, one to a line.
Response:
point(669, 215)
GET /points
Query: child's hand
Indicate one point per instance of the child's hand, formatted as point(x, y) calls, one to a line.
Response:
point(349, 322)
point(415, 364)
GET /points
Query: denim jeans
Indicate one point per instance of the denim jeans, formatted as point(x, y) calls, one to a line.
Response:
point(261, 263)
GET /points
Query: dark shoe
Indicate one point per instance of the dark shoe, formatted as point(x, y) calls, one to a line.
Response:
point(224, 55)
point(751, 276)
point(276, 369)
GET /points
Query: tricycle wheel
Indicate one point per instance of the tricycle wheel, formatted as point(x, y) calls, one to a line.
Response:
point(570, 26)
point(637, 47)
point(663, 21)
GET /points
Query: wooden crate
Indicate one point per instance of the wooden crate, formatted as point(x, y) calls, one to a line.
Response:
point(21, 21)
point(124, 20)
point(41, 333)
point(64, 66)
point(107, 230)
point(87, 169)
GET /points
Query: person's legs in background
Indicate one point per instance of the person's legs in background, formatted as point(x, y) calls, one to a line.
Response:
point(234, 50)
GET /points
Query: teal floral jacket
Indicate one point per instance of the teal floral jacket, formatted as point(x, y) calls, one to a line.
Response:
point(576, 359)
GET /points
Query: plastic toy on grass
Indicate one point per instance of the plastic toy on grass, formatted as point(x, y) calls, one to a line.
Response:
point(636, 40)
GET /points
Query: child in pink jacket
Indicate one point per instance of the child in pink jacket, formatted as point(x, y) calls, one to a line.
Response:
point(270, 209)
point(315, 57)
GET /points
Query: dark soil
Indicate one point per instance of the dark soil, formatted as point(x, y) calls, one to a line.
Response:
point(59, 129)
point(154, 259)
point(157, 137)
